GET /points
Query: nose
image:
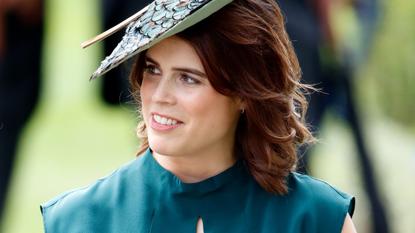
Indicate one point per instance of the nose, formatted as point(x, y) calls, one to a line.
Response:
point(164, 93)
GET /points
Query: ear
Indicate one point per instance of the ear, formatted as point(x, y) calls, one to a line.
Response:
point(240, 104)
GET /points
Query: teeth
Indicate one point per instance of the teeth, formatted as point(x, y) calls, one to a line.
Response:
point(164, 120)
point(157, 118)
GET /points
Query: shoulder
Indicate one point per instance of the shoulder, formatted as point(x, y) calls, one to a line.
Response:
point(318, 191)
point(310, 206)
point(104, 199)
point(323, 204)
point(104, 184)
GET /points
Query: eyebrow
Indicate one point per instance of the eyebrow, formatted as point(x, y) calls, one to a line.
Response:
point(181, 69)
point(152, 61)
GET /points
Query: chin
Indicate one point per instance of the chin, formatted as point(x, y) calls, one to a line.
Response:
point(162, 148)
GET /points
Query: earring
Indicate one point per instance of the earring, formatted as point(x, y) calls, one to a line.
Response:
point(243, 110)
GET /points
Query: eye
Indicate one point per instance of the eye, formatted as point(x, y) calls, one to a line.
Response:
point(189, 80)
point(150, 69)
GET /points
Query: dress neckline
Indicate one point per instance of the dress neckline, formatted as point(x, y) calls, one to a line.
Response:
point(203, 187)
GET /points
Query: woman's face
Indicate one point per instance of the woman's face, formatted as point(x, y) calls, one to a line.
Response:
point(184, 115)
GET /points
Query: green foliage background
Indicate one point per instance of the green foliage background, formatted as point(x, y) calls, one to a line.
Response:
point(73, 138)
point(389, 76)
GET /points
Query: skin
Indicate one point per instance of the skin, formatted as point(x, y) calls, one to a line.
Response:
point(348, 226)
point(199, 225)
point(201, 146)
point(175, 85)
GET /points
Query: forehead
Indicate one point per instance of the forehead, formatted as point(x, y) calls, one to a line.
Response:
point(174, 51)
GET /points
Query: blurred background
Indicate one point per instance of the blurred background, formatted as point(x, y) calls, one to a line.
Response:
point(73, 136)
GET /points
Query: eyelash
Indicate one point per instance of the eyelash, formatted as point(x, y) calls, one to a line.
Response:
point(150, 70)
point(195, 81)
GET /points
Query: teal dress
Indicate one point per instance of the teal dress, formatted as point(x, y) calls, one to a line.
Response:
point(143, 197)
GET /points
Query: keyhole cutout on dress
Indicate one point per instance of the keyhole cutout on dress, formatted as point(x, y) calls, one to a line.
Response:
point(199, 225)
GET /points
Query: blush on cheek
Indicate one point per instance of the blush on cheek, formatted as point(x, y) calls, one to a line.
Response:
point(145, 96)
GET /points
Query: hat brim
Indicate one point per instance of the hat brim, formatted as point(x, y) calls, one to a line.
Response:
point(158, 22)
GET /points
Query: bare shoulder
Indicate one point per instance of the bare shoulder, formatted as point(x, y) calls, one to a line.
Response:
point(348, 226)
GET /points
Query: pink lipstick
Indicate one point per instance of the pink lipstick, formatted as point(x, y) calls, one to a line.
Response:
point(160, 127)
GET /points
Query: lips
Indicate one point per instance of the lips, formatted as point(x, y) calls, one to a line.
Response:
point(164, 120)
point(163, 123)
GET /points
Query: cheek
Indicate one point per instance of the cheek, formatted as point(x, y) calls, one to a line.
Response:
point(144, 90)
point(211, 110)
point(145, 95)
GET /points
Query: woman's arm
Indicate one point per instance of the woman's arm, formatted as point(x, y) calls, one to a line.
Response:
point(348, 226)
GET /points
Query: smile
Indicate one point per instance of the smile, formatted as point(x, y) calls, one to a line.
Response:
point(164, 120)
point(163, 123)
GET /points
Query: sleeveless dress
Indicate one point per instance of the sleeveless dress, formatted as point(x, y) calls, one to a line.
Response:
point(143, 197)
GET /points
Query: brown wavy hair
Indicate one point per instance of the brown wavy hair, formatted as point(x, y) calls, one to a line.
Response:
point(246, 53)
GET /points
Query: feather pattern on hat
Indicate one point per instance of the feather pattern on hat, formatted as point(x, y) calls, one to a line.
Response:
point(160, 17)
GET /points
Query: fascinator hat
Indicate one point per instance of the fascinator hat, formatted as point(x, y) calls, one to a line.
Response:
point(157, 21)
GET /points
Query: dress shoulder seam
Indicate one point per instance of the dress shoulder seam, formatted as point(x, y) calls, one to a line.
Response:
point(85, 187)
point(328, 184)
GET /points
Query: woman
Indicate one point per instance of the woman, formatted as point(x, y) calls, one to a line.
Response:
point(219, 136)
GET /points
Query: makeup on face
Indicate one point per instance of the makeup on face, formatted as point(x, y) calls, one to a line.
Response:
point(185, 115)
point(162, 122)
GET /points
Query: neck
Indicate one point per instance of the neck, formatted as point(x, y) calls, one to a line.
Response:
point(196, 168)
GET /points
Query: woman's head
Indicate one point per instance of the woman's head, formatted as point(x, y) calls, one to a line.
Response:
point(247, 56)
point(185, 116)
